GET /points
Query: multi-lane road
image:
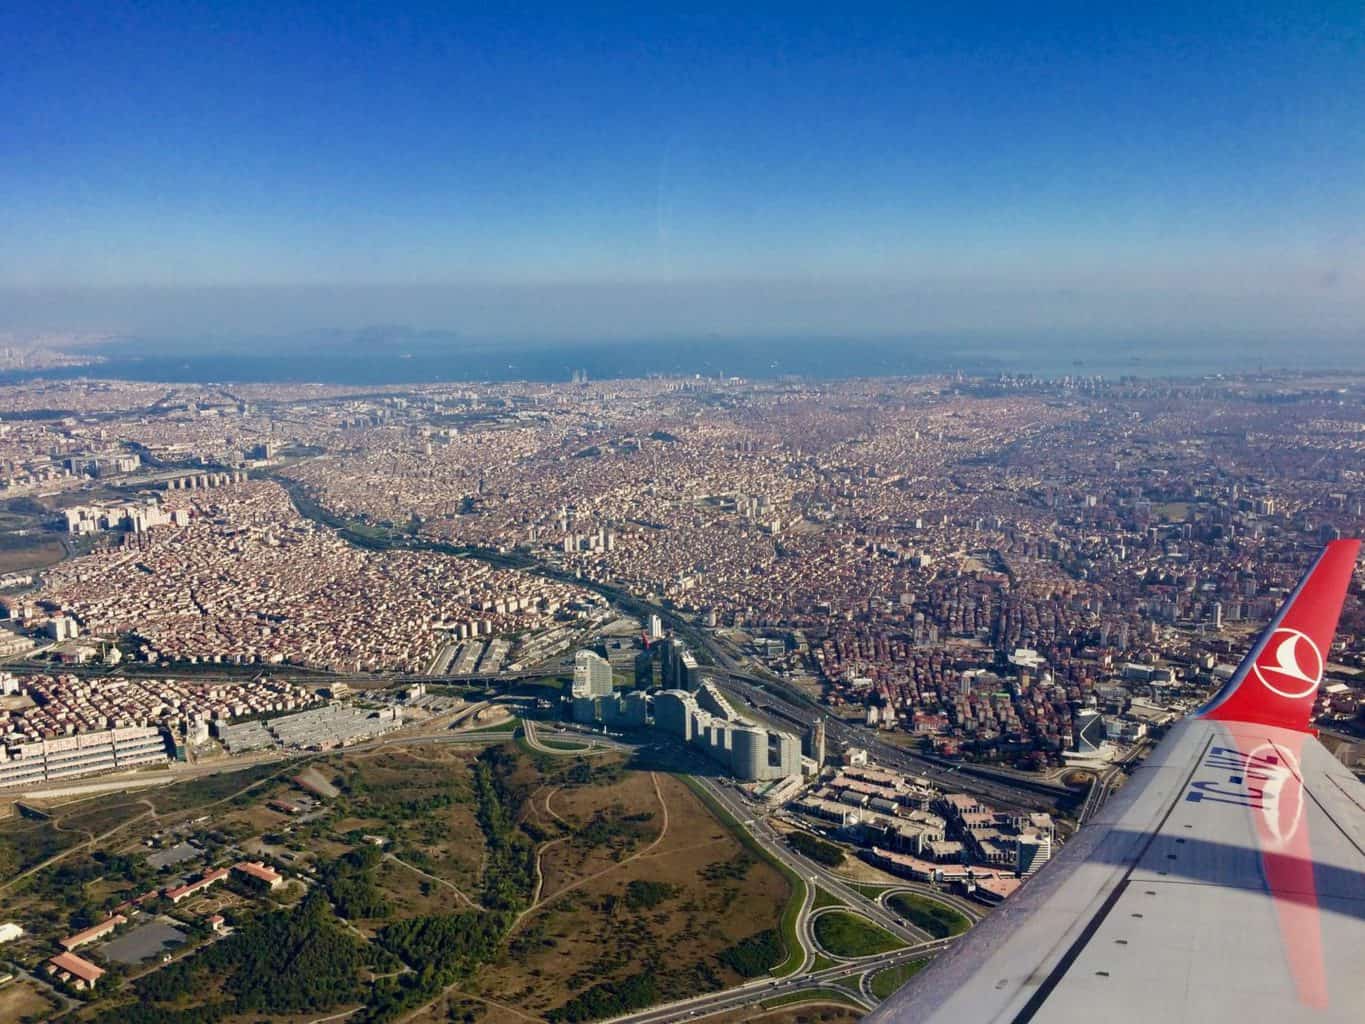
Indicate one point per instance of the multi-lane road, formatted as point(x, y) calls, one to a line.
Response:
point(766, 990)
point(849, 975)
point(755, 821)
point(1000, 785)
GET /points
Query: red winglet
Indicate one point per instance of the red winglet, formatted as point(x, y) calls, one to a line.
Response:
point(1277, 681)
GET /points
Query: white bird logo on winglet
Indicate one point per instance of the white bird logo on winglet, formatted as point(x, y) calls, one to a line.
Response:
point(1283, 657)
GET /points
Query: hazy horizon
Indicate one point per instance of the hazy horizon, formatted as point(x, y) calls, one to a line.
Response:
point(545, 177)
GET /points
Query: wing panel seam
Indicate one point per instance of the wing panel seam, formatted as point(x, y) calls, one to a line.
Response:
point(1055, 976)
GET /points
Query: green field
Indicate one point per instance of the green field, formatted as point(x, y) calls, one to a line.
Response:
point(938, 919)
point(507, 725)
point(563, 745)
point(844, 934)
point(888, 981)
point(825, 899)
point(810, 995)
point(211, 789)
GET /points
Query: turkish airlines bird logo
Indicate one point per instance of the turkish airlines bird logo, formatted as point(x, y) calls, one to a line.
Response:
point(1290, 664)
point(1281, 795)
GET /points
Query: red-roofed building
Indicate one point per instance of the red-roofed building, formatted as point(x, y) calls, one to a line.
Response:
point(180, 892)
point(995, 890)
point(70, 969)
point(259, 873)
point(92, 933)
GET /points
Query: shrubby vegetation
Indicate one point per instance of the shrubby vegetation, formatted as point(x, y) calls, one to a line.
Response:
point(648, 895)
point(613, 829)
point(734, 870)
point(351, 884)
point(586, 773)
point(609, 999)
point(816, 849)
point(285, 962)
point(756, 955)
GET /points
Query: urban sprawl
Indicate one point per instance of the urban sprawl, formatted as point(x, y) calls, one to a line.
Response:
point(933, 620)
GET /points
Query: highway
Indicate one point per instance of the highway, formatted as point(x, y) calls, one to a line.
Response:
point(1102, 787)
point(756, 823)
point(761, 689)
point(764, 989)
point(999, 785)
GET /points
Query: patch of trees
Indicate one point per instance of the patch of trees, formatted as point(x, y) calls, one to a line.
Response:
point(611, 828)
point(585, 773)
point(283, 962)
point(509, 871)
point(754, 956)
point(642, 895)
point(536, 833)
point(140, 1013)
point(351, 884)
point(609, 999)
point(735, 869)
point(938, 920)
point(816, 849)
point(441, 949)
point(466, 939)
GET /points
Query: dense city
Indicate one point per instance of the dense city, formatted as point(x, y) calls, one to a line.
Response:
point(426, 675)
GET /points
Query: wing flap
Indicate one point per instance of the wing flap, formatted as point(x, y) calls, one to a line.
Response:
point(1182, 902)
point(1226, 880)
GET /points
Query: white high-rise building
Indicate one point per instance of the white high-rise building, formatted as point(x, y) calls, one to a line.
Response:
point(656, 628)
point(1031, 851)
point(591, 675)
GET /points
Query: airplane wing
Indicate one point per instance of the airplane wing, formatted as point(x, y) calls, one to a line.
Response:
point(1224, 882)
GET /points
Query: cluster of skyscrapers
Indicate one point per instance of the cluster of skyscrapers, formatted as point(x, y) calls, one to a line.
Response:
point(705, 720)
point(595, 701)
point(689, 708)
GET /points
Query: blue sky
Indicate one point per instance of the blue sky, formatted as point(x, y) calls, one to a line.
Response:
point(587, 172)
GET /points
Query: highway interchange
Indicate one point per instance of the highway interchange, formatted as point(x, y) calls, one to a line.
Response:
point(765, 696)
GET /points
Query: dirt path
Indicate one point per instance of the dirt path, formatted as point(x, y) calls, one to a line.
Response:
point(694, 846)
point(434, 878)
point(57, 826)
point(663, 834)
point(501, 1006)
point(551, 811)
point(93, 840)
point(151, 812)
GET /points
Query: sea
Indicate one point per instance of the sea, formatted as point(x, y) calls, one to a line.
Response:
point(380, 356)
